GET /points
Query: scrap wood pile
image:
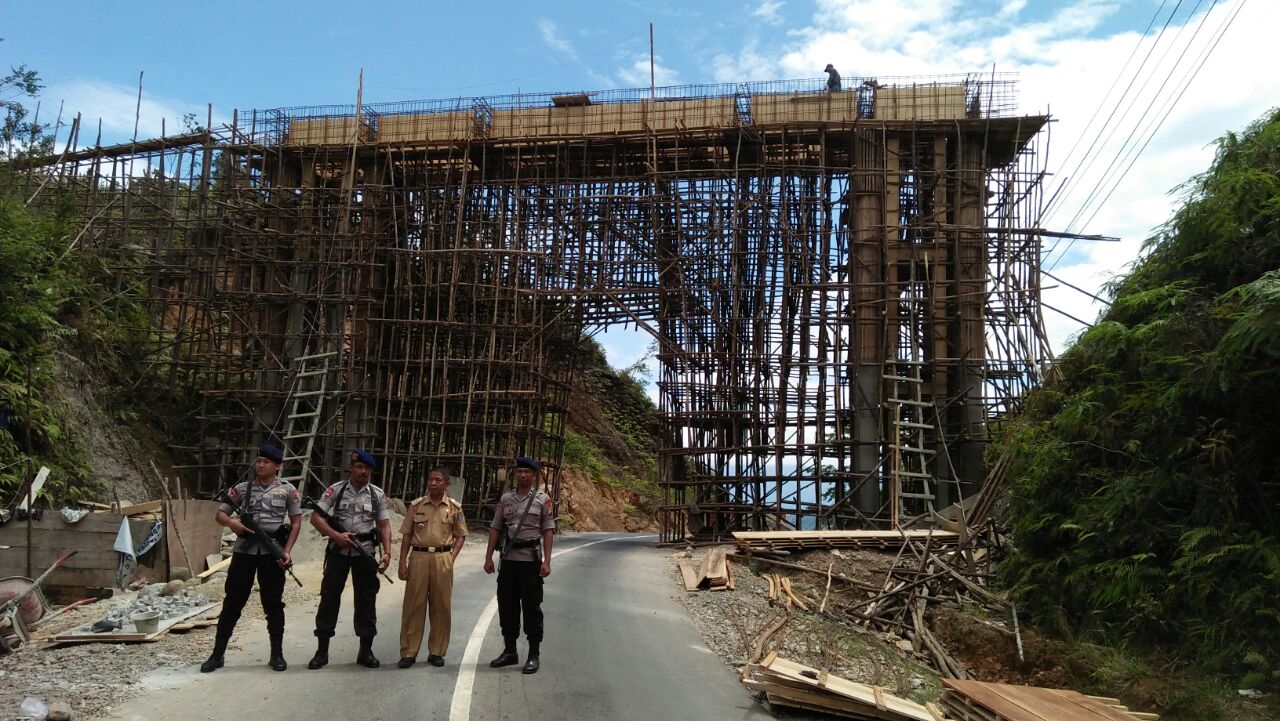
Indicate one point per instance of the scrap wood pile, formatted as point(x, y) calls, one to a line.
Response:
point(930, 567)
point(786, 683)
point(977, 701)
point(715, 573)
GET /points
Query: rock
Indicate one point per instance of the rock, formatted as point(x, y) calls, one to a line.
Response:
point(60, 711)
point(151, 590)
point(212, 560)
point(172, 587)
point(179, 573)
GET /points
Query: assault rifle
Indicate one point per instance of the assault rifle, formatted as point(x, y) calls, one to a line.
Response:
point(312, 505)
point(268, 541)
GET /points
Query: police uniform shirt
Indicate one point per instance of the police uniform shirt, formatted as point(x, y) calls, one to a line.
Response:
point(433, 524)
point(271, 506)
point(359, 511)
point(510, 509)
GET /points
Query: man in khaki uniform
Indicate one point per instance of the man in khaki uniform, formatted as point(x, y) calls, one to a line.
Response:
point(434, 529)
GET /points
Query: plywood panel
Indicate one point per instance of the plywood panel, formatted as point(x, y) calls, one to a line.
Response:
point(196, 522)
point(426, 127)
point(920, 102)
point(327, 131)
point(94, 536)
point(693, 114)
point(776, 108)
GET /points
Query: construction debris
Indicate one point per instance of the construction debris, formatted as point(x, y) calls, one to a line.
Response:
point(714, 574)
point(786, 683)
point(773, 541)
point(978, 701)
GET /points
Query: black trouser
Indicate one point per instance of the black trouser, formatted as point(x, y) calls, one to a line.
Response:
point(244, 566)
point(364, 582)
point(520, 589)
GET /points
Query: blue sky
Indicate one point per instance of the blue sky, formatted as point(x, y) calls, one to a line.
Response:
point(266, 54)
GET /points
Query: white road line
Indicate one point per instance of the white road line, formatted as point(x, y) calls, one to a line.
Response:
point(460, 708)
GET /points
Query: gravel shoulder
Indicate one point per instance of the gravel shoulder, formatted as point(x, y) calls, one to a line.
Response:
point(731, 621)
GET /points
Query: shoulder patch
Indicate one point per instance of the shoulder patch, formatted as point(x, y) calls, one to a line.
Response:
point(328, 493)
point(454, 503)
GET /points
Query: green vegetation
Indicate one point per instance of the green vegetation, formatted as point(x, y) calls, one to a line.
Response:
point(56, 301)
point(1145, 501)
point(613, 428)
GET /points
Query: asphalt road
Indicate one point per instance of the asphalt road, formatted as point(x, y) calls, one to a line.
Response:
point(618, 646)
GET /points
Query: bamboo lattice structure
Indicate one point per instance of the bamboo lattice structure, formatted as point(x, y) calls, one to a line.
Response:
point(844, 287)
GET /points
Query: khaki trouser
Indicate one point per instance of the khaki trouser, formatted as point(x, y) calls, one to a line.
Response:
point(430, 586)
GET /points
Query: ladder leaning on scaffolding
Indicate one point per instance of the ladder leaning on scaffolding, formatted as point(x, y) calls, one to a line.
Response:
point(910, 478)
point(302, 424)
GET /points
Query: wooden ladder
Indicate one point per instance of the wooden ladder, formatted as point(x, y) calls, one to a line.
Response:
point(909, 458)
point(303, 422)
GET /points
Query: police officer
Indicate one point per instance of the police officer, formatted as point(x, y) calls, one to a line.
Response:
point(361, 508)
point(270, 501)
point(434, 530)
point(526, 515)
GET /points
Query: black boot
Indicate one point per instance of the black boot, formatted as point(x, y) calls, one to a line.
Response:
point(508, 657)
point(277, 662)
point(365, 657)
point(322, 654)
point(214, 661)
point(531, 664)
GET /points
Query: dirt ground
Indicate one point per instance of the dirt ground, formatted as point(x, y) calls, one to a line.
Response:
point(93, 677)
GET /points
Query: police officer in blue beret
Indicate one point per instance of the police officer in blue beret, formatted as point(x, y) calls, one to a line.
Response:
point(361, 508)
point(524, 518)
point(276, 508)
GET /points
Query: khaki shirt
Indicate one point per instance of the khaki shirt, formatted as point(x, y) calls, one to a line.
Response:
point(508, 512)
point(270, 505)
point(431, 523)
point(359, 511)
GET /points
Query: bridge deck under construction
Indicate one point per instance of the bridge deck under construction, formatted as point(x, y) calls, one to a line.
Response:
point(843, 286)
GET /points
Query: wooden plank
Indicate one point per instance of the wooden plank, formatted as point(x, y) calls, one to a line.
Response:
point(852, 690)
point(1032, 703)
point(712, 566)
point(83, 634)
point(148, 507)
point(214, 569)
point(687, 572)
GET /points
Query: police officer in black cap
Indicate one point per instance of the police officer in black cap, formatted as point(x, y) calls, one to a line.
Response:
point(361, 508)
point(276, 508)
point(525, 517)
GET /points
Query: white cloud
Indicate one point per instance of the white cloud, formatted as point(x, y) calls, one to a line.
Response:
point(115, 105)
point(636, 74)
point(768, 11)
point(1065, 66)
point(552, 37)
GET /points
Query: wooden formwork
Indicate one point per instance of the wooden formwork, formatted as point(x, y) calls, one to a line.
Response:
point(327, 131)
point(427, 127)
point(775, 108)
point(615, 118)
point(920, 102)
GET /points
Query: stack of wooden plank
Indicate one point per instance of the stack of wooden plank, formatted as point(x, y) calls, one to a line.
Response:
point(766, 541)
point(786, 683)
point(715, 573)
point(978, 701)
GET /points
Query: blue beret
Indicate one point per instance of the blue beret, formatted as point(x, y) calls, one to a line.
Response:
point(527, 462)
point(362, 456)
point(271, 453)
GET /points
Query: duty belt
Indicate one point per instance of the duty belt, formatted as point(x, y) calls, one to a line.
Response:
point(527, 543)
point(433, 549)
